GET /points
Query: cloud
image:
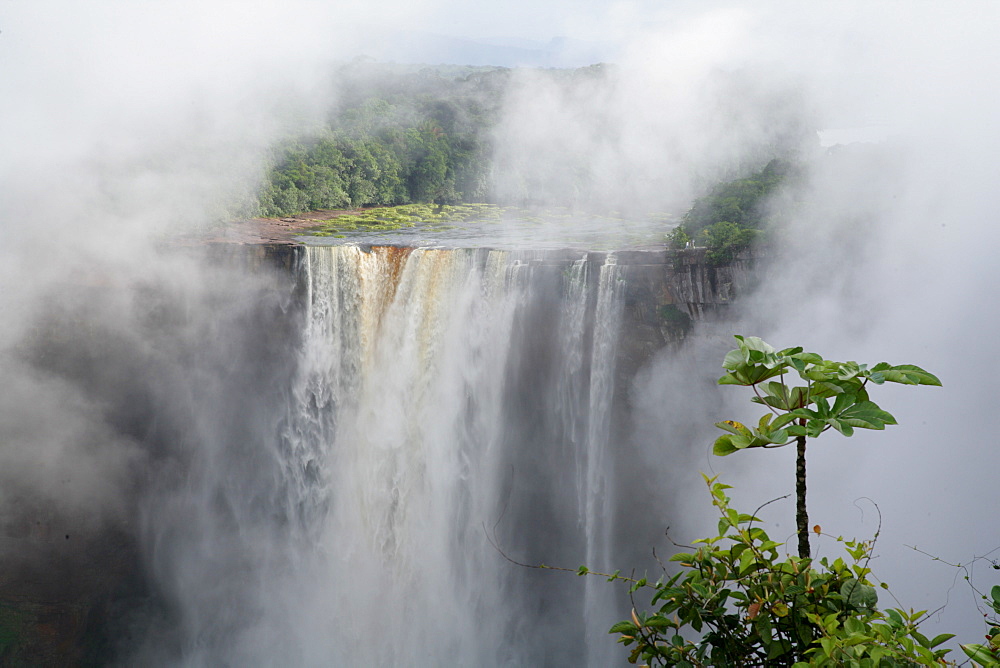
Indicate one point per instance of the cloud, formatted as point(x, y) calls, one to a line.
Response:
point(124, 122)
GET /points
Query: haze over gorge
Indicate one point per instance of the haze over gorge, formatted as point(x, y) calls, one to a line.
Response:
point(312, 451)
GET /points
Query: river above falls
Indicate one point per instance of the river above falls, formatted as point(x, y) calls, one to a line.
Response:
point(491, 226)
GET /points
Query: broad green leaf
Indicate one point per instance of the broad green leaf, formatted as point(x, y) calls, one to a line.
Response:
point(913, 375)
point(858, 594)
point(756, 344)
point(624, 627)
point(747, 559)
point(782, 420)
point(779, 437)
point(733, 427)
point(816, 373)
point(742, 437)
point(867, 415)
point(734, 359)
point(776, 395)
point(825, 388)
point(980, 654)
point(852, 625)
point(799, 397)
point(761, 373)
point(907, 374)
point(842, 427)
point(841, 403)
point(657, 622)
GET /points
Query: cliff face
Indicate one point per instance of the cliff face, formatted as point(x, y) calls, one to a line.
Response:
point(668, 292)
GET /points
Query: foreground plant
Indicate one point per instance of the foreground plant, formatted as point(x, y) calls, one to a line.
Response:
point(737, 602)
point(988, 653)
point(834, 396)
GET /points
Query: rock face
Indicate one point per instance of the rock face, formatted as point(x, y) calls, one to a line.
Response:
point(67, 595)
point(668, 292)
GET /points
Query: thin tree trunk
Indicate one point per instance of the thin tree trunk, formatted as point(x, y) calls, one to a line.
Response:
point(801, 516)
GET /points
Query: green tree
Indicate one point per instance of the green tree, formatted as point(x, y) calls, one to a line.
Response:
point(834, 396)
point(732, 216)
point(741, 201)
point(735, 601)
point(725, 240)
point(429, 176)
point(678, 238)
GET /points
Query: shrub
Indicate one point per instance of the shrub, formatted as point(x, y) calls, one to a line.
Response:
point(737, 601)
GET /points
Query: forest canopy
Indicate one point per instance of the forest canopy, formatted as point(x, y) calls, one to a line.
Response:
point(733, 214)
point(397, 135)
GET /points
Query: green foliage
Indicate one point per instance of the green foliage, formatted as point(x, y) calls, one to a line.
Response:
point(678, 238)
point(430, 217)
point(988, 653)
point(399, 135)
point(733, 215)
point(737, 601)
point(741, 201)
point(835, 394)
point(725, 240)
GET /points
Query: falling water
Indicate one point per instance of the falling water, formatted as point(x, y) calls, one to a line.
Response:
point(446, 408)
point(597, 478)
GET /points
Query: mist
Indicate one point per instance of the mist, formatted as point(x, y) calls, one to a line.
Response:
point(127, 358)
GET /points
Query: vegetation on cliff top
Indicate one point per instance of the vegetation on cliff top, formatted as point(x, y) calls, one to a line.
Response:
point(396, 136)
point(734, 215)
point(403, 135)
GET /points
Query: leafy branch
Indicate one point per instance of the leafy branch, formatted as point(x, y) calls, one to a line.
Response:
point(834, 396)
point(737, 602)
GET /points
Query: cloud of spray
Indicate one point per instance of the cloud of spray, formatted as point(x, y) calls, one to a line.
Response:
point(124, 122)
point(681, 110)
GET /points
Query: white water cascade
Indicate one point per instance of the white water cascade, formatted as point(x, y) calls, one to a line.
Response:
point(440, 400)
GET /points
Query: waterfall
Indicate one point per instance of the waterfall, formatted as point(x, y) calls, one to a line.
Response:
point(441, 400)
point(597, 477)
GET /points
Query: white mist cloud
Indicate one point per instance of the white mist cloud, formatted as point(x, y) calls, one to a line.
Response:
point(121, 121)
